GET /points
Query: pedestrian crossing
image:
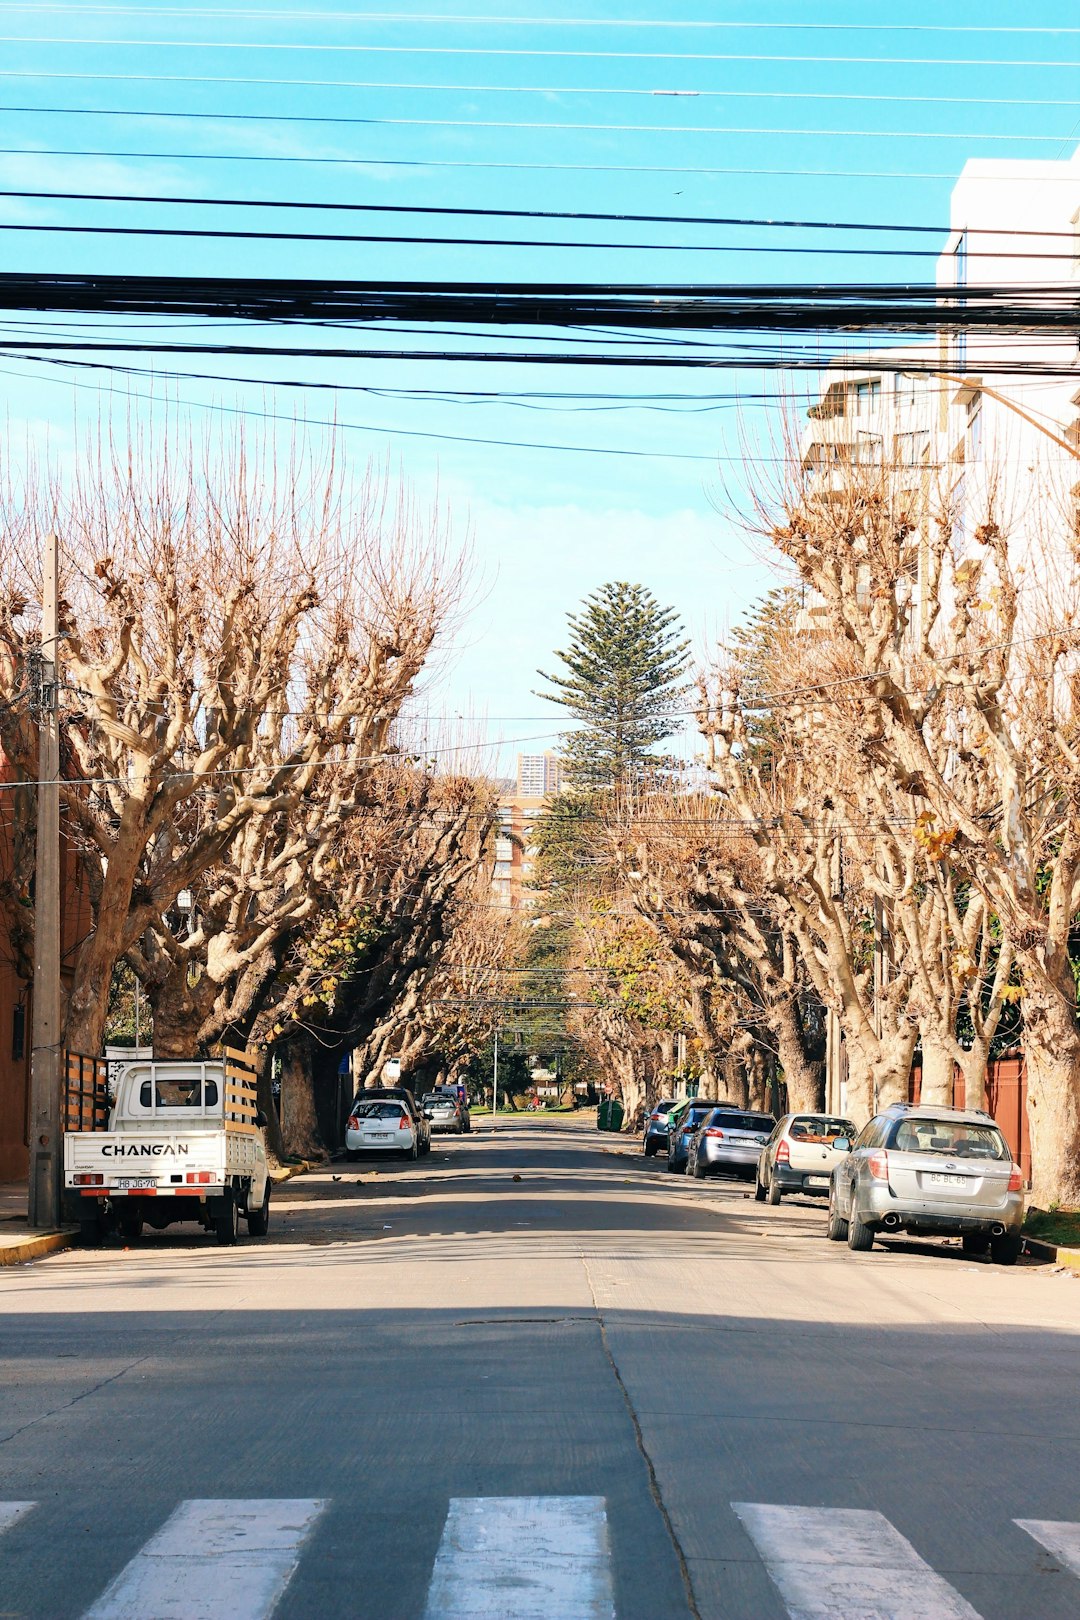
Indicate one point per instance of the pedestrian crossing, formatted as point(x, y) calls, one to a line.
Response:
point(532, 1558)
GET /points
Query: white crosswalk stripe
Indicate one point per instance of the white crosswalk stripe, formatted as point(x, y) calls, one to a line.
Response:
point(847, 1561)
point(11, 1512)
point(212, 1560)
point(523, 1558)
point(1059, 1537)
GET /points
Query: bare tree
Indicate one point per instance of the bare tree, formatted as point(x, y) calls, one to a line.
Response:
point(964, 655)
point(234, 626)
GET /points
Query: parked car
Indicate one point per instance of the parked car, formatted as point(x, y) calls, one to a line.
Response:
point(800, 1157)
point(421, 1124)
point(447, 1112)
point(679, 1138)
point(929, 1171)
point(728, 1139)
point(381, 1125)
point(656, 1127)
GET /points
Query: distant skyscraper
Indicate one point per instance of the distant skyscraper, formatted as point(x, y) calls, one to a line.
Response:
point(538, 775)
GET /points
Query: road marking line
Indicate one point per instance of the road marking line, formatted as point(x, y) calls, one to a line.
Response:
point(847, 1561)
point(1058, 1536)
point(523, 1558)
point(212, 1560)
point(12, 1512)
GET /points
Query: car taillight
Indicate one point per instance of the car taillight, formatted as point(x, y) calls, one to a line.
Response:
point(655, 1114)
point(783, 1154)
point(88, 1179)
point(714, 1131)
point(403, 1123)
point(353, 1123)
point(199, 1177)
point(877, 1165)
point(1016, 1179)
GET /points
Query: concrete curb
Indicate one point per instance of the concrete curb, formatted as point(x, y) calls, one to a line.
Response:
point(1050, 1251)
point(288, 1171)
point(16, 1254)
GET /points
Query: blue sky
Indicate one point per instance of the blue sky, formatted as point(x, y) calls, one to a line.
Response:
point(849, 119)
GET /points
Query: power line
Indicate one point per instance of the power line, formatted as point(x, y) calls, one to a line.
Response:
point(542, 166)
point(188, 116)
point(510, 51)
point(532, 89)
point(1067, 256)
point(430, 18)
point(577, 215)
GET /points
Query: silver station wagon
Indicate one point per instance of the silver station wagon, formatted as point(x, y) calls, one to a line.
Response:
point(929, 1171)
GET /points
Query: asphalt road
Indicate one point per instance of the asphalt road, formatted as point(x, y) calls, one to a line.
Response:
point(615, 1354)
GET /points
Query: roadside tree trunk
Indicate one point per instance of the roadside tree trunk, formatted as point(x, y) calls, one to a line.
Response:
point(938, 1069)
point(299, 1121)
point(1052, 1051)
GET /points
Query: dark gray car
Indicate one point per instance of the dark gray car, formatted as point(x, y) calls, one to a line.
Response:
point(678, 1147)
point(926, 1171)
point(731, 1140)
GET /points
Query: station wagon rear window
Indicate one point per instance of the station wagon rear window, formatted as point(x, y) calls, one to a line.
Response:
point(951, 1137)
point(818, 1129)
point(178, 1093)
point(743, 1122)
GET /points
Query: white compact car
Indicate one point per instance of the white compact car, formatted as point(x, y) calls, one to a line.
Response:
point(800, 1157)
point(381, 1126)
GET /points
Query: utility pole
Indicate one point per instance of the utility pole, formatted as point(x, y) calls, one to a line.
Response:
point(495, 1083)
point(45, 1139)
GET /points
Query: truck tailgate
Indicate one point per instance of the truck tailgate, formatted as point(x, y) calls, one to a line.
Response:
point(166, 1158)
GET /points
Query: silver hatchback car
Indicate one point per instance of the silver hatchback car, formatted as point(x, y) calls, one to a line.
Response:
point(926, 1171)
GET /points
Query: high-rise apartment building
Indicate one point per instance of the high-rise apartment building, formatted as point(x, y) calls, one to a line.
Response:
point(538, 775)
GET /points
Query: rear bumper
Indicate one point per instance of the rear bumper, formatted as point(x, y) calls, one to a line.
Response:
point(800, 1180)
point(733, 1156)
point(880, 1208)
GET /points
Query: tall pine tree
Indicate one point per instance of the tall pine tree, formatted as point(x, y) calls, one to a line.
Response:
point(624, 669)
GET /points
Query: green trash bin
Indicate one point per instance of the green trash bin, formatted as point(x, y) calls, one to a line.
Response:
point(602, 1114)
point(615, 1115)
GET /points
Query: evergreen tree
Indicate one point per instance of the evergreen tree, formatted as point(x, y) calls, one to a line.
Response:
point(623, 674)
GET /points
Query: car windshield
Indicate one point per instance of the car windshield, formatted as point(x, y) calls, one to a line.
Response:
point(817, 1128)
point(730, 1121)
point(953, 1137)
point(378, 1110)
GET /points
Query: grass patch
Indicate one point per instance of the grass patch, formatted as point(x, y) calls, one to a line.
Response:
point(1058, 1226)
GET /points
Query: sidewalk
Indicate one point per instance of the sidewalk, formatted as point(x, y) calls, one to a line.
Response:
point(18, 1240)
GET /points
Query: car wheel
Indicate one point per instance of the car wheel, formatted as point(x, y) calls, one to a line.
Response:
point(672, 1166)
point(775, 1191)
point(975, 1242)
point(859, 1236)
point(90, 1230)
point(352, 1154)
point(130, 1224)
point(227, 1225)
point(1005, 1251)
point(836, 1231)
point(413, 1152)
point(648, 1148)
point(259, 1219)
point(759, 1191)
point(699, 1169)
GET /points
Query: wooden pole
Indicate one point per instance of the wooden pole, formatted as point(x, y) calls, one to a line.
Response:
point(46, 1168)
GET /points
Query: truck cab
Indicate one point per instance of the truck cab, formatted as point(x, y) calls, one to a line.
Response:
point(179, 1141)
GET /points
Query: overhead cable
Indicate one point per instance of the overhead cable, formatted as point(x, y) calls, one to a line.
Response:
point(187, 116)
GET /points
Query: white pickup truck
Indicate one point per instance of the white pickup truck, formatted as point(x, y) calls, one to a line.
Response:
point(178, 1142)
